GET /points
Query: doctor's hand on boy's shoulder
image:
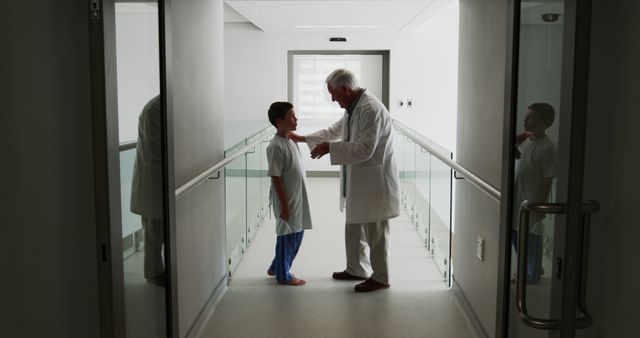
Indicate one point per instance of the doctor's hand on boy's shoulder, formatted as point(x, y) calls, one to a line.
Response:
point(519, 139)
point(296, 138)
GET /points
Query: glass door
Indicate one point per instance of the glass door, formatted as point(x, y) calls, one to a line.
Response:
point(547, 215)
point(141, 181)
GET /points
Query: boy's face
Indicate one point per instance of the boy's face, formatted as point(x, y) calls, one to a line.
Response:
point(289, 122)
point(532, 122)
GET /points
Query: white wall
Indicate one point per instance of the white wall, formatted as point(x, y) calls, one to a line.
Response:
point(137, 63)
point(195, 75)
point(48, 245)
point(425, 69)
point(479, 149)
point(540, 69)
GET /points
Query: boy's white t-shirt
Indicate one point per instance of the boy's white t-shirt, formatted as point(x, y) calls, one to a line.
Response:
point(538, 160)
point(284, 158)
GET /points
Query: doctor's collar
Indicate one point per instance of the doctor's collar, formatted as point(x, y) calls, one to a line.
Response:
point(355, 101)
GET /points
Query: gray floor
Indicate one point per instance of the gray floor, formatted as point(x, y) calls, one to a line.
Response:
point(144, 301)
point(418, 304)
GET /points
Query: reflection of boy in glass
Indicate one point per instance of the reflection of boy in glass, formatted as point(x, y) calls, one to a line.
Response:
point(534, 174)
point(146, 189)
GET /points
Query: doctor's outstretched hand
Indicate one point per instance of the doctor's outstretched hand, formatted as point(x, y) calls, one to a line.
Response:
point(320, 150)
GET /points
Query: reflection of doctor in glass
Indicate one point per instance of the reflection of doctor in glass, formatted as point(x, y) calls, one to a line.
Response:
point(146, 189)
point(534, 174)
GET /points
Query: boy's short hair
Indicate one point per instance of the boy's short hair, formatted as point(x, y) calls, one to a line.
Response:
point(278, 110)
point(545, 112)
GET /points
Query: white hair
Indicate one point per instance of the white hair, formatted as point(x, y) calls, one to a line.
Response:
point(342, 77)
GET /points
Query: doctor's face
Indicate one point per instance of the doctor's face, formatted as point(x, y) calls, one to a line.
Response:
point(340, 95)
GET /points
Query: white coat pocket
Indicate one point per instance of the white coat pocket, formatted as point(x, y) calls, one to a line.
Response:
point(370, 178)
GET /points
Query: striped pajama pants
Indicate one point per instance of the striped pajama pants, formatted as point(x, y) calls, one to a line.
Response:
point(286, 250)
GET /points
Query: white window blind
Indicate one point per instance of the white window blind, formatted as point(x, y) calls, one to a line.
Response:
point(310, 95)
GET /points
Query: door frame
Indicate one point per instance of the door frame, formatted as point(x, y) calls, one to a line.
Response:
point(168, 170)
point(573, 124)
point(104, 96)
point(106, 167)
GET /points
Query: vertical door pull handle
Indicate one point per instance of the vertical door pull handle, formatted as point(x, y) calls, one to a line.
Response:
point(588, 208)
point(521, 278)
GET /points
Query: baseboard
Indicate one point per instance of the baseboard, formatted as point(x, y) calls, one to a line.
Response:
point(467, 311)
point(205, 314)
point(322, 173)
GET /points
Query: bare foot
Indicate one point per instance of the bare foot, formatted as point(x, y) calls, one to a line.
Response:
point(294, 281)
point(271, 272)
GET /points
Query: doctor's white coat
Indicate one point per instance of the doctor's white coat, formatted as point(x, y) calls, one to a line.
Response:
point(372, 183)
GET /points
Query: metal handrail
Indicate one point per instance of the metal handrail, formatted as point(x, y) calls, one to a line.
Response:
point(208, 174)
point(468, 175)
point(128, 145)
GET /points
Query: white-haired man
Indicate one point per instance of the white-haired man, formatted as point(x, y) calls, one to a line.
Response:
point(362, 143)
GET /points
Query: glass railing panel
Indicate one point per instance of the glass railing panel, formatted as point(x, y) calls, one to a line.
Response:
point(254, 188)
point(398, 150)
point(427, 194)
point(409, 183)
point(265, 180)
point(422, 194)
point(246, 189)
point(236, 207)
point(440, 216)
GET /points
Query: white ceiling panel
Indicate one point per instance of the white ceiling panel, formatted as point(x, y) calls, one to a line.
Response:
point(336, 16)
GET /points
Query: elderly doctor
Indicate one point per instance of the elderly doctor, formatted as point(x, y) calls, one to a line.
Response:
point(362, 143)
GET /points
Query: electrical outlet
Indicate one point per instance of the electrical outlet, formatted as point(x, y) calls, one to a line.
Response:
point(480, 248)
point(409, 103)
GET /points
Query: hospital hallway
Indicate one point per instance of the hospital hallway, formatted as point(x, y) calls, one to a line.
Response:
point(418, 304)
point(139, 145)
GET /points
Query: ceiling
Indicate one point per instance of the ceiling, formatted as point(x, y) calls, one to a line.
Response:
point(371, 16)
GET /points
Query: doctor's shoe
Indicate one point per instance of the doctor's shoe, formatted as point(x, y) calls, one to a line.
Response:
point(370, 285)
point(344, 275)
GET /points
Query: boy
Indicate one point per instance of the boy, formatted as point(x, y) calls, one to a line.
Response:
point(534, 174)
point(288, 193)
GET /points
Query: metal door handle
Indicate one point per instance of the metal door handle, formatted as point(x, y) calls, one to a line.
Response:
point(588, 208)
point(521, 279)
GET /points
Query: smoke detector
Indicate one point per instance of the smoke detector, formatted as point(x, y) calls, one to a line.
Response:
point(550, 17)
